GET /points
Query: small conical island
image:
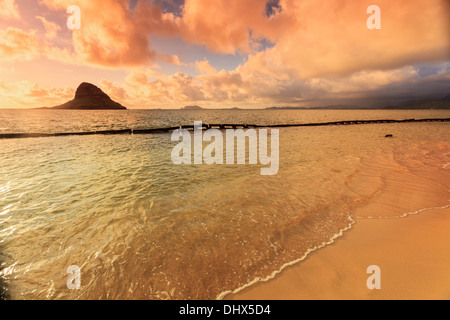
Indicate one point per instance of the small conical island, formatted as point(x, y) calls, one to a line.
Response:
point(90, 97)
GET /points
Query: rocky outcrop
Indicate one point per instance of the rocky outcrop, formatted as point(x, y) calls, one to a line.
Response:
point(90, 97)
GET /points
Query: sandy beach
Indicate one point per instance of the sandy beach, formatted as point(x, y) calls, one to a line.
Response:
point(411, 249)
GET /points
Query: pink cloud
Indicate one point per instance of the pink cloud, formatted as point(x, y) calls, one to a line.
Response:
point(51, 28)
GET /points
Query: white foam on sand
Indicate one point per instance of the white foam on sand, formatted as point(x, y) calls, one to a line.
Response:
point(333, 238)
point(405, 214)
point(276, 272)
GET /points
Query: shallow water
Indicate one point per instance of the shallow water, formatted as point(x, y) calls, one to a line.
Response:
point(141, 227)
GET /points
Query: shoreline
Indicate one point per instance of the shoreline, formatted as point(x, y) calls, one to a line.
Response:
point(225, 294)
point(332, 273)
point(403, 230)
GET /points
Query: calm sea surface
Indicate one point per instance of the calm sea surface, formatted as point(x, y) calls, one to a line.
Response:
point(140, 227)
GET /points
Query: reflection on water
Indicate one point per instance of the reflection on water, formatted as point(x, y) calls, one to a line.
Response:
point(140, 227)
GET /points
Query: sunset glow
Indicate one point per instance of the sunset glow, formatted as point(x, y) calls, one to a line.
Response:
point(225, 53)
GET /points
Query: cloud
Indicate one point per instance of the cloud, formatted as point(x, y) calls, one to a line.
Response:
point(292, 50)
point(228, 26)
point(9, 10)
point(116, 93)
point(16, 44)
point(19, 45)
point(25, 94)
point(308, 38)
point(113, 36)
point(205, 68)
point(331, 38)
point(164, 91)
point(147, 88)
point(51, 28)
point(234, 88)
point(363, 81)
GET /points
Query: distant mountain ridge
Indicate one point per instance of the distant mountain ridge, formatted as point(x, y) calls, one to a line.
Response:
point(430, 103)
point(443, 103)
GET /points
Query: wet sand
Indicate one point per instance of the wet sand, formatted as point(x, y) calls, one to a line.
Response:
point(412, 253)
point(411, 250)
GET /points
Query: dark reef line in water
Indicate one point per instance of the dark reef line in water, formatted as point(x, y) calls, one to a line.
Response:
point(210, 126)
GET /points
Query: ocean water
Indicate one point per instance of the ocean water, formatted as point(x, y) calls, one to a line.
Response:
point(140, 227)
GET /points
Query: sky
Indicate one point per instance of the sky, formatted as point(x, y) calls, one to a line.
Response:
point(224, 53)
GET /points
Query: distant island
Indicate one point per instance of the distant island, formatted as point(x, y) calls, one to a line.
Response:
point(201, 108)
point(90, 97)
point(192, 108)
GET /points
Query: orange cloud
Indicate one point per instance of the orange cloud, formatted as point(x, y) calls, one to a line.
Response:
point(310, 48)
point(310, 38)
point(216, 89)
point(25, 94)
point(205, 68)
point(331, 37)
point(229, 26)
point(18, 44)
point(9, 10)
point(115, 92)
point(113, 36)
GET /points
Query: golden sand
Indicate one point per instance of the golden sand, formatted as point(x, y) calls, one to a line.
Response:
point(412, 250)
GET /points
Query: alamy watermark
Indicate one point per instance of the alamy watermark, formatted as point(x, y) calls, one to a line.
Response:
point(74, 20)
point(74, 279)
point(374, 281)
point(374, 21)
point(235, 140)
